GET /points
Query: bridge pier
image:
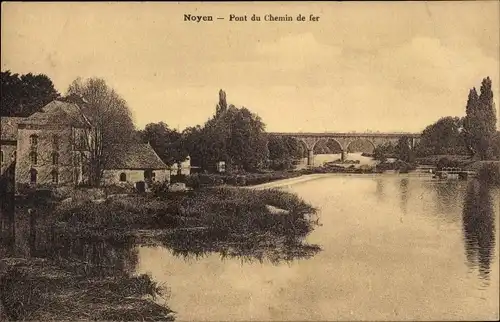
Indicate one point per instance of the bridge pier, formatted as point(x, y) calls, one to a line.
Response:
point(310, 157)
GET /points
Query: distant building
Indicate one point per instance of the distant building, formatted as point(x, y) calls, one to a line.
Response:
point(185, 167)
point(47, 149)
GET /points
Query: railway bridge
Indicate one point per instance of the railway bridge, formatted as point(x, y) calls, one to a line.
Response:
point(345, 139)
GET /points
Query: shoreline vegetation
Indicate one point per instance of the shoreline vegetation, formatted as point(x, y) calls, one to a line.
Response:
point(263, 225)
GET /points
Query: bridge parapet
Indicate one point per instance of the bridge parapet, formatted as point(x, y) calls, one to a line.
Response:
point(347, 134)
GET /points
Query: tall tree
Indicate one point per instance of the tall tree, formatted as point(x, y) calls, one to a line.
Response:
point(112, 128)
point(23, 95)
point(222, 106)
point(167, 143)
point(480, 120)
point(198, 147)
point(404, 149)
point(442, 137)
point(495, 146)
point(238, 138)
point(234, 135)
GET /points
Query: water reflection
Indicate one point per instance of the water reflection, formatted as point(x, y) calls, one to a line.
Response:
point(403, 188)
point(380, 189)
point(26, 234)
point(479, 227)
point(248, 247)
point(7, 232)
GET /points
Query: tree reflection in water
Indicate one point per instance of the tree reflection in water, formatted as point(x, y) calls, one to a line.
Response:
point(248, 247)
point(479, 227)
point(447, 193)
point(403, 188)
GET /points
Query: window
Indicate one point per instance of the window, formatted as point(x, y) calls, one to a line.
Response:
point(123, 177)
point(55, 158)
point(33, 158)
point(33, 174)
point(34, 140)
point(1, 156)
point(55, 176)
point(55, 141)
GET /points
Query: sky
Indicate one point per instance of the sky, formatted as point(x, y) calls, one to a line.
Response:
point(376, 66)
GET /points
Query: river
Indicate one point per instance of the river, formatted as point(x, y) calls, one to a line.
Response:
point(394, 248)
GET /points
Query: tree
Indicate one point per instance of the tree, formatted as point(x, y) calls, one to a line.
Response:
point(241, 137)
point(495, 146)
point(384, 151)
point(234, 135)
point(442, 137)
point(112, 129)
point(282, 151)
point(23, 95)
point(480, 120)
point(222, 106)
point(404, 149)
point(167, 143)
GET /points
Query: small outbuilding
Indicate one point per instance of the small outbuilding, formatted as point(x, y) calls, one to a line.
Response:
point(138, 162)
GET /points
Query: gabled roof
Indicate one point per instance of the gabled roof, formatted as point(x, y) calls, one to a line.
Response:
point(8, 127)
point(137, 156)
point(58, 112)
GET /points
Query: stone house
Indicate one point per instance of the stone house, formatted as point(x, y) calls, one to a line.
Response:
point(138, 162)
point(47, 148)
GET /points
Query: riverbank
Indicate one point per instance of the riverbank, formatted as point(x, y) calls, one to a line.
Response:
point(39, 289)
point(263, 225)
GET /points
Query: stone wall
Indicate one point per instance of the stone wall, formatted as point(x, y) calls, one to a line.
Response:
point(44, 150)
point(112, 177)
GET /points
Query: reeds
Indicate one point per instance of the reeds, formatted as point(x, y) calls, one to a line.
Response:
point(39, 290)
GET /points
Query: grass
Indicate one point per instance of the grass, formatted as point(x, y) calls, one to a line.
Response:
point(219, 219)
point(37, 289)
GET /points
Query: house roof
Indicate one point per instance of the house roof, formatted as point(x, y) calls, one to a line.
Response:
point(58, 112)
point(8, 128)
point(137, 156)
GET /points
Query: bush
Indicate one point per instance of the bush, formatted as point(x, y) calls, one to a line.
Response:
point(280, 165)
point(159, 188)
point(447, 163)
point(401, 166)
point(193, 181)
point(178, 178)
point(119, 189)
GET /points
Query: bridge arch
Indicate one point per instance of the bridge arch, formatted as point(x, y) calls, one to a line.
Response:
point(333, 145)
point(302, 144)
point(357, 144)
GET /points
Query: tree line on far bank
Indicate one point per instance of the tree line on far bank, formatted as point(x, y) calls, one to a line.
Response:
point(474, 135)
